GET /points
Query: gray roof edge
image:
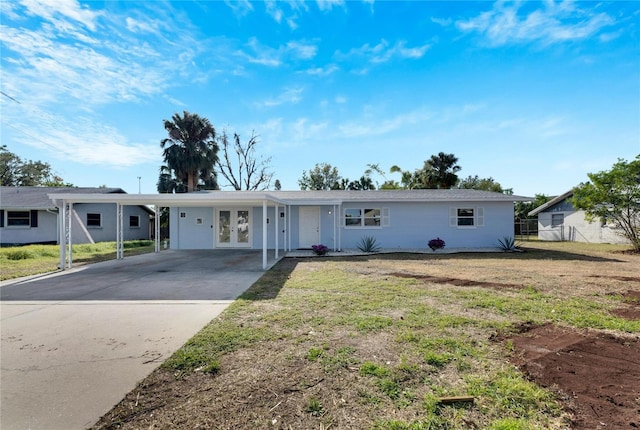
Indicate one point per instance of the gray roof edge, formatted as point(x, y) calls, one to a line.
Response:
point(550, 203)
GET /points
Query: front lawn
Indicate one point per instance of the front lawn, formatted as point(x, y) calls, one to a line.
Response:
point(385, 342)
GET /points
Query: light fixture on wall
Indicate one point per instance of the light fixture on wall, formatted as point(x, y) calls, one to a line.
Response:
point(329, 211)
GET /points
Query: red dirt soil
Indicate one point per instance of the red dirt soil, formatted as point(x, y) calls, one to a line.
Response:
point(597, 375)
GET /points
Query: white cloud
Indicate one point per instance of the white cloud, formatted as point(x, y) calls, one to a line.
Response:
point(366, 127)
point(323, 71)
point(83, 140)
point(59, 60)
point(276, 9)
point(240, 7)
point(441, 21)
point(289, 96)
point(513, 23)
point(327, 5)
point(57, 10)
point(275, 57)
point(383, 52)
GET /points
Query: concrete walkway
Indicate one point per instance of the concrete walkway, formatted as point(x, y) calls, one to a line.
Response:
point(75, 342)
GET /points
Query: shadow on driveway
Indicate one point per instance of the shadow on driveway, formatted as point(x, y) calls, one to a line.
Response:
point(168, 275)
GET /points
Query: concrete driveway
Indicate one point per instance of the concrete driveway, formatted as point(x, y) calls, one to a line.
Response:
point(75, 342)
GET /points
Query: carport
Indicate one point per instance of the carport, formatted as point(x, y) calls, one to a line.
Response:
point(65, 204)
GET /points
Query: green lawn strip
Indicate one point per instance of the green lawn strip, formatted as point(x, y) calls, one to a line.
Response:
point(18, 261)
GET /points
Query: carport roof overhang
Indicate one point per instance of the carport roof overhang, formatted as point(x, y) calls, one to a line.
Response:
point(239, 198)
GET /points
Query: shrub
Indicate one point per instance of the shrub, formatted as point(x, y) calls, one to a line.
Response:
point(436, 243)
point(320, 249)
point(19, 254)
point(368, 244)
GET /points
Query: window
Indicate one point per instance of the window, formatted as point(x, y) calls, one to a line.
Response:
point(183, 214)
point(18, 218)
point(134, 221)
point(366, 217)
point(557, 220)
point(466, 217)
point(94, 220)
point(352, 217)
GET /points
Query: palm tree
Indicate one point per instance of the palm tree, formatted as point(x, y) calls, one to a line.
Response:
point(190, 151)
point(440, 171)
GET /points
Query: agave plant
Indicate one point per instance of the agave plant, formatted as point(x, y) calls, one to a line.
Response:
point(507, 243)
point(368, 244)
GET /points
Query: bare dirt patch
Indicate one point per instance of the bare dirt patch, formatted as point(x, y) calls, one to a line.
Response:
point(455, 281)
point(631, 309)
point(597, 374)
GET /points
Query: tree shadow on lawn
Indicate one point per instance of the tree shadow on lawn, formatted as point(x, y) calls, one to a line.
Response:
point(269, 285)
point(526, 254)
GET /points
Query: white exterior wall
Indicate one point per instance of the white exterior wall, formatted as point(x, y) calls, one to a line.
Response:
point(411, 226)
point(45, 232)
point(576, 228)
point(107, 231)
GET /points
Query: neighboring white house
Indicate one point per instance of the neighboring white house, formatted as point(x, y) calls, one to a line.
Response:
point(558, 220)
point(29, 215)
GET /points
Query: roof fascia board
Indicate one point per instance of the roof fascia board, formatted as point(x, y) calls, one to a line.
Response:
point(550, 203)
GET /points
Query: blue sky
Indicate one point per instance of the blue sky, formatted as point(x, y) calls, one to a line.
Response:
point(533, 94)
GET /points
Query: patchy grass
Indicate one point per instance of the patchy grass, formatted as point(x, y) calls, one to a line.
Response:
point(17, 261)
point(375, 342)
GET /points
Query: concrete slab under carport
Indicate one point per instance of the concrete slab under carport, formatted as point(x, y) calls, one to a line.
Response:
point(75, 342)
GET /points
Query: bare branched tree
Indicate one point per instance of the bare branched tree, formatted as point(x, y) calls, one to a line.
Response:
point(243, 171)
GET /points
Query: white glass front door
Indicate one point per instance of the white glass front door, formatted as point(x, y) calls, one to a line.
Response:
point(234, 228)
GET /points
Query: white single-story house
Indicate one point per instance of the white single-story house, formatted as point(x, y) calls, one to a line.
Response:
point(290, 220)
point(559, 220)
point(29, 215)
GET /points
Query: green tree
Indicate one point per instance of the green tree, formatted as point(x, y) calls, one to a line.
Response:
point(244, 171)
point(439, 171)
point(485, 184)
point(168, 183)
point(322, 177)
point(14, 171)
point(613, 196)
point(364, 183)
point(190, 151)
point(522, 209)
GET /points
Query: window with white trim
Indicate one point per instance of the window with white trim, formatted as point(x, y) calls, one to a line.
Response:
point(94, 220)
point(466, 217)
point(134, 221)
point(366, 217)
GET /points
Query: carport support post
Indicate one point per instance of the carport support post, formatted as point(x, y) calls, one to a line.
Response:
point(119, 228)
point(156, 228)
point(264, 234)
point(62, 215)
point(68, 234)
point(276, 215)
